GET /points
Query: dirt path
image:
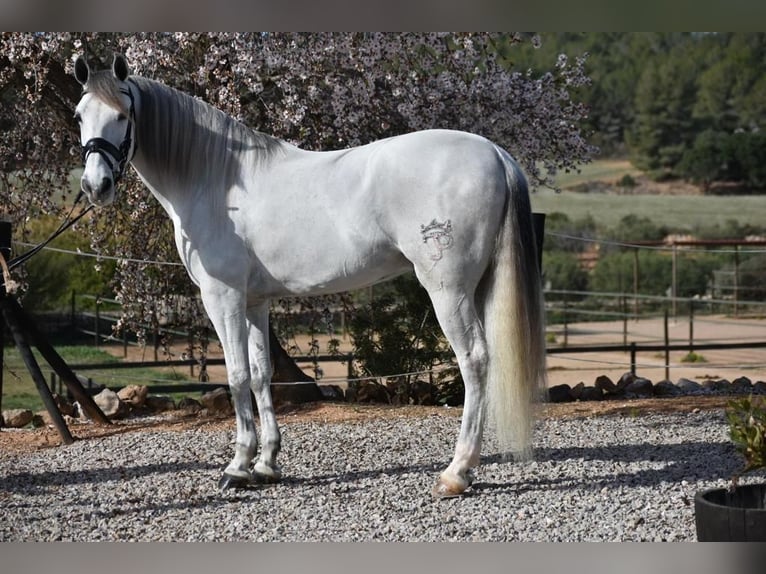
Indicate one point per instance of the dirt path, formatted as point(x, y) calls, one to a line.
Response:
point(719, 364)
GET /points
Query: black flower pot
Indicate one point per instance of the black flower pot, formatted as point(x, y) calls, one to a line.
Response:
point(736, 516)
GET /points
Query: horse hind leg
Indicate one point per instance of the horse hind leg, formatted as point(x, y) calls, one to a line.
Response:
point(456, 311)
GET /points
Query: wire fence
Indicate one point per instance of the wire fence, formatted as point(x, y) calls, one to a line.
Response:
point(580, 323)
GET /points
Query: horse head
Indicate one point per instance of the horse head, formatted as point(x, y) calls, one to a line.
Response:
point(106, 115)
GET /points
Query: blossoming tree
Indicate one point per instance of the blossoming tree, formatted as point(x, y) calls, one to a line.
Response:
point(319, 91)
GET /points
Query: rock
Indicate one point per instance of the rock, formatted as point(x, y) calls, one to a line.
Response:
point(606, 384)
point(17, 418)
point(689, 387)
point(624, 381)
point(159, 403)
point(721, 386)
point(742, 385)
point(370, 392)
point(134, 395)
point(66, 408)
point(295, 393)
point(189, 405)
point(332, 393)
point(759, 388)
point(110, 404)
point(217, 402)
point(592, 394)
point(576, 391)
point(398, 391)
point(424, 393)
point(416, 392)
point(712, 385)
point(560, 394)
point(666, 389)
point(640, 387)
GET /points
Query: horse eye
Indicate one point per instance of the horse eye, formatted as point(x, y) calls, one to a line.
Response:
point(121, 118)
point(78, 118)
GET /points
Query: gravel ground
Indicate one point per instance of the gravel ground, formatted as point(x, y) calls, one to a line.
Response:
point(607, 478)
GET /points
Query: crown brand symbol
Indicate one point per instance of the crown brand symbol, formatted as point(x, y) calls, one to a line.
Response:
point(438, 236)
point(435, 229)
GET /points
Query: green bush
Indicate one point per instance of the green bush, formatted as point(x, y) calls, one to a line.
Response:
point(562, 271)
point(614, 272)
point(628, 181)
point(397, 332)
point(747, 429)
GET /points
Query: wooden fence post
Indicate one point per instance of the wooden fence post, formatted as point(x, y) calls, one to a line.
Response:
point(624, 309)
point(691, 326)
point(667, 347)
point(17, 330)
point(2, 358)
point(633, 358)
point(5, 252)
point(566, 322)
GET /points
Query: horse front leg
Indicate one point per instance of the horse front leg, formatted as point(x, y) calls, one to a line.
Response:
point(226, 308)
point(266, 468)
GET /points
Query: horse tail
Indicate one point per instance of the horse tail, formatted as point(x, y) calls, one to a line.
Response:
point(514, 321)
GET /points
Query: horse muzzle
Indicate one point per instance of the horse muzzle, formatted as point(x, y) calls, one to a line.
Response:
point(100, 193)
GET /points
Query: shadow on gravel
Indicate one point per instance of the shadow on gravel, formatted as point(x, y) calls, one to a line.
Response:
point(691, 461)
point(32, 483)
point(353, 476)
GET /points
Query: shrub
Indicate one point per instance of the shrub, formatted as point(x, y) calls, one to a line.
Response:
point(397, 332)
point(747, 429)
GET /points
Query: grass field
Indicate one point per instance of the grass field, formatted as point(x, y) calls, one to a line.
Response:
point(600, 170)
point(682, 212)
point(690, 213)
point(19, 390)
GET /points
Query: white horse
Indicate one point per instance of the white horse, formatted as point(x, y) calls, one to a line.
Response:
point(256, 218)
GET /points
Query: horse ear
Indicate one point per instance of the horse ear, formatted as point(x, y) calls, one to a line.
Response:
point(81, 70)
point(120, 67)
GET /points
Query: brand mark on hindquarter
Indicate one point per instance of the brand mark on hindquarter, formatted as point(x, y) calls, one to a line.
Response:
point(438, 237)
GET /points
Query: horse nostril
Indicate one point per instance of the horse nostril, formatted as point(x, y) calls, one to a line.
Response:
point(106, 183)
point(85, 186)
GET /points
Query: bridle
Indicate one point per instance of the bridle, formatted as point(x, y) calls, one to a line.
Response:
point(116, 157)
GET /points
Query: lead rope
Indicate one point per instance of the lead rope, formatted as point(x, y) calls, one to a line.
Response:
point(68, 222)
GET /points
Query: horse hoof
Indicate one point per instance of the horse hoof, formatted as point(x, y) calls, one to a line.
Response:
point(230, 481)
point(264, 474)
point(444, 490)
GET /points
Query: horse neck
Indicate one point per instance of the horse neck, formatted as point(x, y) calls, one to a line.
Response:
point(188, 149)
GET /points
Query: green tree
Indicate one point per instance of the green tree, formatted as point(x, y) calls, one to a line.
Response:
point(615, 272)
point(319, 91)
point(704, 162)
point(567, 235)
point(634, 227)
point(664, 125)
point(562, 271)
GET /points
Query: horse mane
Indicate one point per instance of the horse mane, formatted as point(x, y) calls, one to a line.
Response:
point(186, 140)
point(104, 85)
